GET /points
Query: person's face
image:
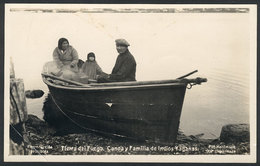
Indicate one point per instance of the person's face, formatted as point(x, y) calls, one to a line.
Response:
point(64, 45)
point(121, 49)
point(91, 58)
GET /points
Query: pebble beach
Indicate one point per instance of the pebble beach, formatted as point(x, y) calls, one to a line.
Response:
point(45, 140)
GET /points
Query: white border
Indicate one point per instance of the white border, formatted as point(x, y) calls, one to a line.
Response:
point(145, 158)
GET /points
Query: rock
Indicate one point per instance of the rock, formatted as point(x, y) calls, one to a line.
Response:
point(37, 126)
point(34, 121)
point(243, 148)
point(182, 138)
point(235, 133)
point(34, 93)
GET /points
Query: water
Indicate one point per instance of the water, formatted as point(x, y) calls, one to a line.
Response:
point(165, 46)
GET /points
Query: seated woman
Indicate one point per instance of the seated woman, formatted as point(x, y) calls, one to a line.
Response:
point(66, 59)
point(91, 68)
point(65, 56)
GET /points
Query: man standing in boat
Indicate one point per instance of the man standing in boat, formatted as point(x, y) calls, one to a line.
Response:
point(125, 67)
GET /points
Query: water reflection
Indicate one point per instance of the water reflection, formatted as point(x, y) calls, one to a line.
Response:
point(223, 100)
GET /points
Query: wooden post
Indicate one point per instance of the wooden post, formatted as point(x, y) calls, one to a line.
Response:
point(18, 108)
point(18, 115)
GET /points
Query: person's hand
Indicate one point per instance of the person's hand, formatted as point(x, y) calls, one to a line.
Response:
point(72, 64)
point(59, 73)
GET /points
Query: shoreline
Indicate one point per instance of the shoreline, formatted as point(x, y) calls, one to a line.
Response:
point(45, 140)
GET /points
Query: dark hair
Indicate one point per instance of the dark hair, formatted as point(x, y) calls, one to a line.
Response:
point(80, 63)
point(61, 40)
point(91, 54)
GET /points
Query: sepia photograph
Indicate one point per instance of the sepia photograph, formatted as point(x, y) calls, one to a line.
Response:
point(130, 83)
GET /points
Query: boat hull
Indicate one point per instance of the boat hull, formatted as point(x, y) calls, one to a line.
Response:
point(149, 113)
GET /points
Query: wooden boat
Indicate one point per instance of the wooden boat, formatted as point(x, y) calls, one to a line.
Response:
point(141, 110)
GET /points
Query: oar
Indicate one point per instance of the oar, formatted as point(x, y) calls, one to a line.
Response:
point(120, 83)
point(197, 80)
point(186, 75)
point(65, 80)
point(132, 83)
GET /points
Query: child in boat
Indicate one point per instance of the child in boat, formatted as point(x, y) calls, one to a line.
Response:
point(91, 67)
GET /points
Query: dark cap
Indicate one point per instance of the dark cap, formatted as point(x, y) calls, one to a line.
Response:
point(122, 42)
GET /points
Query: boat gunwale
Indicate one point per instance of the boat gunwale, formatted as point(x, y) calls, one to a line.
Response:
point(113, 87)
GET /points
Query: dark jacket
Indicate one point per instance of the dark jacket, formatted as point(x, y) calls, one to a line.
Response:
point(125, 68)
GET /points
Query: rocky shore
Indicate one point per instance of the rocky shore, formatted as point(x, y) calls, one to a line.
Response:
point(70, 140)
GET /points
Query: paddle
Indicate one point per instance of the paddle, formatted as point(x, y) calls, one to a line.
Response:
point(65, 80)
point(186, 75)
